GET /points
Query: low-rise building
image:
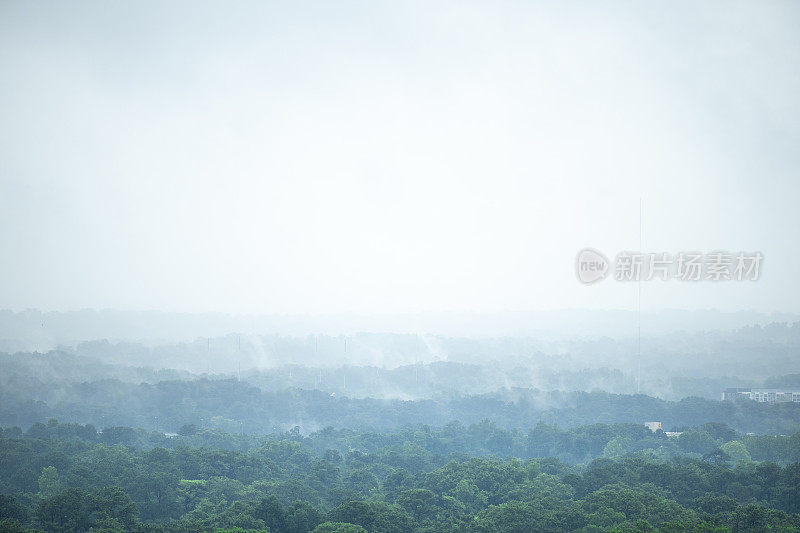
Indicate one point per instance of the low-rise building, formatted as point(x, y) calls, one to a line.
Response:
point(653, 426)
point(762, 395)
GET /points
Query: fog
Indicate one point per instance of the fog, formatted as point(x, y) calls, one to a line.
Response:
point(399, 267)
point(282, 158)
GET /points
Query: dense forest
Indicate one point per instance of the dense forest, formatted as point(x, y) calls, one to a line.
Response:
point(70, 477)
point(118, 436)
point(384, 365)
point(235, 405)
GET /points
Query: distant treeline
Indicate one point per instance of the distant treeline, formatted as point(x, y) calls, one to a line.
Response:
point(237, 406)
point(574, 445)
point(385, 365)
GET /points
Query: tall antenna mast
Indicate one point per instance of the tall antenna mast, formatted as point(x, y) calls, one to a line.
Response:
point(316, 360)
point(345, 362)
point(639, 311)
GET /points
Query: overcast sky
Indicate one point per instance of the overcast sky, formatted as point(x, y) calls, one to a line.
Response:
point(306, 157)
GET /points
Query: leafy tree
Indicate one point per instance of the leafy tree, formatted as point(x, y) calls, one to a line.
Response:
point(190, 492)
point(11, 509)
point(113, 504)
point(697, 441)
point(420, 503)
point(65, 512)
point(338, 527)
point(513, 517)
point(188, 430)
point(12, 525)
point(719, 431)
point(302, 517)
point(737, 452)
point(271, 511)
point(751, 518)
point(617, 447)
point(468, 493)
point(49, 483)
point(373, 516)
point(717, 456)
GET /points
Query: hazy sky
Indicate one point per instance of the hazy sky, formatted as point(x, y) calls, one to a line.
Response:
point(392, 156)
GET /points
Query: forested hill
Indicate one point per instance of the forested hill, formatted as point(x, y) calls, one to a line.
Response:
point(237, 406)
point(580, 444)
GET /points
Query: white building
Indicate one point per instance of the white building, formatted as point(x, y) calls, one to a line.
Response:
point(762, 395)
point(653, 426)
